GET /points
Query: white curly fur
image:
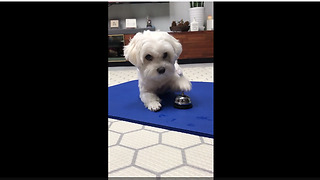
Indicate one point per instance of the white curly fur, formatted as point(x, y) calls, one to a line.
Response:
point(161, 72)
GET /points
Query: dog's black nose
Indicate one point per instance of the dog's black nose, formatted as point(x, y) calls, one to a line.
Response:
point(161, 70)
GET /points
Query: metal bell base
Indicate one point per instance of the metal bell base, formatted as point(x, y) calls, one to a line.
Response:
point(178, 106)
point(182, 102)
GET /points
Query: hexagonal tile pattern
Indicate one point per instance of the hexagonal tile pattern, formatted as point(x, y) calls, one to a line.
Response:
point(200, 156)
point(198, 72)
point(134, 139)
point(119, 157)
point(159, 158)
point(117, 75)
point(113, 138)
point(123, 126)
point(178, 139)
point(186, 171)
point(132, 172)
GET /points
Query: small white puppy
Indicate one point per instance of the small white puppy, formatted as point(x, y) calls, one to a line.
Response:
point(155, 55)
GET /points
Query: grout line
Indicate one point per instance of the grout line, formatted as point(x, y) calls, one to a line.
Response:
point(201, 139)
point(199, 168)
point(134, 157)
point(127, 147)
point(119, 140)
point(175, 147)
point(160, 138)
point(195, 145)
point(184, 157)
point(116, 170)
point(148, 146)
point(110, 125)
point(171, 169)
point(148, 170)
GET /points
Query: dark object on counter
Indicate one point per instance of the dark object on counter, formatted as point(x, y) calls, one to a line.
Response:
point(182, 102)
point(181, 26)
point(149, 23)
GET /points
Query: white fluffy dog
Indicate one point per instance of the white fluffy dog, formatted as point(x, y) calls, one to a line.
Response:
point(155, 55)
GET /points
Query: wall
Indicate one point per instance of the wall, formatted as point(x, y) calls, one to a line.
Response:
point(180, 10)
point(161, 14)
point(157, 12)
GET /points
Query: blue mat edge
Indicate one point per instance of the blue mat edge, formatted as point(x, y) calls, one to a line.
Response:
point(163, 127)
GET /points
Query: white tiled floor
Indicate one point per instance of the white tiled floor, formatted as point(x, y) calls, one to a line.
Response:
point(136, 150)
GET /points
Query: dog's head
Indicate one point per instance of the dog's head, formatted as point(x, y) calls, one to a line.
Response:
point(153, 53)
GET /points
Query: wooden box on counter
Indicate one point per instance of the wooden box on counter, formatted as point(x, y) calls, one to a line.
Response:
point(195, 45)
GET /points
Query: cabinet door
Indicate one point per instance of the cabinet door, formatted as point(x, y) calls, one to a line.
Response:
point(127, 38)
point(196, 44)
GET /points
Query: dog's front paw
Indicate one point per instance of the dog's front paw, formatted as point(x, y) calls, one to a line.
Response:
point(153, 106)
point(184, 85)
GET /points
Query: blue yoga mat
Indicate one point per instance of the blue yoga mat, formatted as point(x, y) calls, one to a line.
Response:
point(124, 104)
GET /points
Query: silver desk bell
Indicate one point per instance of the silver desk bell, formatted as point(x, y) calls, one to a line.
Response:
point(182, 102)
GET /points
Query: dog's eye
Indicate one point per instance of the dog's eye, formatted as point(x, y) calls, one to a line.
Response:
point(165, 55)
point(149, 57)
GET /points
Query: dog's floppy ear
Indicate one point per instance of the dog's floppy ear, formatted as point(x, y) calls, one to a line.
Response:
point(176, 46)
point(131, 51)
